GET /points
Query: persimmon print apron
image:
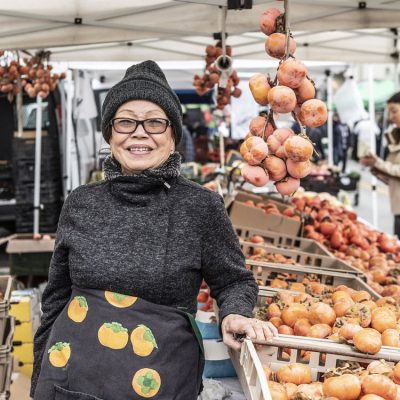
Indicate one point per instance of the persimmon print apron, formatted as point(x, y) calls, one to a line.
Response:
point(110, 346)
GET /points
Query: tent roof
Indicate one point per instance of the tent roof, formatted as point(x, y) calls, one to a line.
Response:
point(163, 29)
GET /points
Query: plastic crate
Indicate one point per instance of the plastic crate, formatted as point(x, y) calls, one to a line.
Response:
point(25, 148)
point(7, 380)
point(6, 171)
point(349, 183)
point(30, 263)
point(49, 212)
point(284, 241)
point(5, 287)
point(250, 373)
point(25, 170)
point(268, 271)
point(302, 258)
point(5, 356)
point(249, 362)
point(7, 191)
point(50, 191)
point(28, 256)
point(23, 229)
point(317, 183)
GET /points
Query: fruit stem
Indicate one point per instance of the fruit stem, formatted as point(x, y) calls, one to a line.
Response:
point(264, 128)
point(302, 131)
point(271, 118)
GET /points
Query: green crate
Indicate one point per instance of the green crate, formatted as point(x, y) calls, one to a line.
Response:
point(30, 263)
point(28, 256)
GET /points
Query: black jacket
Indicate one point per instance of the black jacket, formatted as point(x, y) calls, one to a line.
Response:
point(156, 236)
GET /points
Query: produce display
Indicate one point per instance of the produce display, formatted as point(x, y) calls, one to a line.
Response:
point(264, 255)
point(33, 74)
point(227, 86)
point(271, 208)
point(336, 313)
point(307, 303)
point(377, 381)
point(373, 252)
point(272, 154)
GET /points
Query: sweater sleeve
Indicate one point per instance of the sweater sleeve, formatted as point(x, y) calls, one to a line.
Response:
point(223, 264)
point(388, 168)
point(56, 293)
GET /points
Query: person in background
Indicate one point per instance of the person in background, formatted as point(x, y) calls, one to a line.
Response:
point(341, 135)
point(362, 130)
point(389, 171)
point(315, 135)
point(186, 146)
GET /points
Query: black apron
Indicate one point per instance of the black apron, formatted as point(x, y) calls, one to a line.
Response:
point(109, 346)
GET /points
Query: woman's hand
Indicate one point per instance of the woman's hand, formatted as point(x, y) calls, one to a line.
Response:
point(255, 329)
point(369, 160)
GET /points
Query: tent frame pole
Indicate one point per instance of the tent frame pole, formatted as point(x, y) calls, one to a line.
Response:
point(371, 111)
point(69, 133)
point(329, 100)
point(38, 156)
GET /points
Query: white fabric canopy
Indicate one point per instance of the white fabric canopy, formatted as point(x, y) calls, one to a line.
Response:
point(133, 30)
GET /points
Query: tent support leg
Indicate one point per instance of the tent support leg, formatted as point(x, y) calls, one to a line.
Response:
point(371, 110)
point(329, 99)
point(38, 154)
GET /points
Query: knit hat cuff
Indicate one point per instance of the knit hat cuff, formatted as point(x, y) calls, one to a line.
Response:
point(143, 89)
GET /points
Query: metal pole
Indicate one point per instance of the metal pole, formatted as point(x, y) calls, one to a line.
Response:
point(63, 143)
point(287, 15)
point(329, 101)
point(69, 135)
point(222, 150)
point(371, 110)
point(38, 156)
point(19, 104)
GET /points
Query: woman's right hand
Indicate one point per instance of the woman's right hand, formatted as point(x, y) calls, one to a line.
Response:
point(369, 160)
point(233, 325)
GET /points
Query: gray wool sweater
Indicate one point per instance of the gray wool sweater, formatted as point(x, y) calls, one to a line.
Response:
point(156, 236)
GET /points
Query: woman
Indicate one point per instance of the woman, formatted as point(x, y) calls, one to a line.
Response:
point(389, 170)
point(130, 255)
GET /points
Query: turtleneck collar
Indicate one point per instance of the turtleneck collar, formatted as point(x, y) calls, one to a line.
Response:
point(135, 188)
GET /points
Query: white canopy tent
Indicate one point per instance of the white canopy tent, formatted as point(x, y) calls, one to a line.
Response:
point(132, 30)
point(121, 30)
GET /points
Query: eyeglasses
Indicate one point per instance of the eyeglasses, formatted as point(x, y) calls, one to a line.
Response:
point(129, 125)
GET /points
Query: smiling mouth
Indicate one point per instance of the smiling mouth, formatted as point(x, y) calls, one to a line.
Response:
point(139, 149)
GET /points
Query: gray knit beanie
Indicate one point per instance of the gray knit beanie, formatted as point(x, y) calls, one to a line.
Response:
point(144, 81)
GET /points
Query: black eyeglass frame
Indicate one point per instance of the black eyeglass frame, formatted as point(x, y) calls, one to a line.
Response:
point(141, 122)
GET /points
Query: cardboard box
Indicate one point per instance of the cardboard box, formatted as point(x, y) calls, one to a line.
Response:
point(252, 217)
point(23, 352)
point(228, 200)
point(25, 331)
point(24, 243)
point(281, 205)
point(28, 134)
point(276, 198)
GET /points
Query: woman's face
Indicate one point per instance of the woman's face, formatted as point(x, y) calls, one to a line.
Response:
point(139, 151)
point(394, 113)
